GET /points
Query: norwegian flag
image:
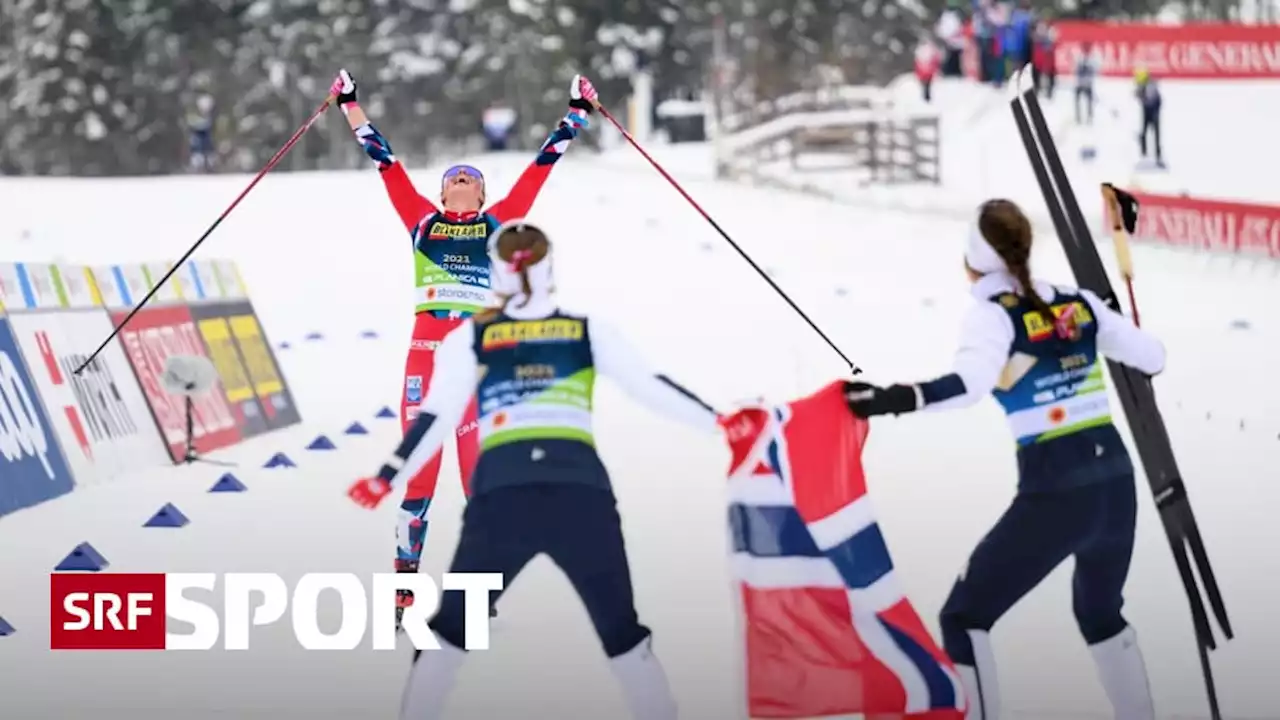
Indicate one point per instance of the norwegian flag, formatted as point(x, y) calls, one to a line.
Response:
point(828, 630)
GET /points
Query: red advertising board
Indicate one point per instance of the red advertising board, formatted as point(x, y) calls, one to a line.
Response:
point(1227, 227)
point(1193, 51)
point(155, 334)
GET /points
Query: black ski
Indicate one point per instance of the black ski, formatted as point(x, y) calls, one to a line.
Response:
point(1134, 388)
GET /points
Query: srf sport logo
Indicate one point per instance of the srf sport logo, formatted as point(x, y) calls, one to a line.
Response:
point(21, 434)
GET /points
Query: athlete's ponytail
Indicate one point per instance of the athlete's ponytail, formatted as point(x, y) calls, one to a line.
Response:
point(1007, 229)
point(517, 247)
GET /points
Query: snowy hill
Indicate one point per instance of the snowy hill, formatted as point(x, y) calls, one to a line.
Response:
point(1216, 136)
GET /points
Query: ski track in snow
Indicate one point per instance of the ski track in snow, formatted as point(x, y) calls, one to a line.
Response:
point(324, 251)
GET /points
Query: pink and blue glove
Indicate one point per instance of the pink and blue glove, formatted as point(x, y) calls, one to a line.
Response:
point(343, 88)
point(582, 102)
point(375, 145)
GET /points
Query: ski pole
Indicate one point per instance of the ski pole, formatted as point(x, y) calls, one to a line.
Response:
point(1122, 208)
point(288, 145)
point(706, 216)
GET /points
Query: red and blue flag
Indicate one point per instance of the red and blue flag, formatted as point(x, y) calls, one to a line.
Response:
point(828, 630)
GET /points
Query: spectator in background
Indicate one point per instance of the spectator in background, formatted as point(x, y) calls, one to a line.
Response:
point(1000, 14)
point(1148, 94)
point(497, 124)
point(200, 128)
point(1044, 59)
point(1018, 37)
point(1086, 72)
point(1006, 41)
point(928, 59)
point(983, 39)
point(950, 31)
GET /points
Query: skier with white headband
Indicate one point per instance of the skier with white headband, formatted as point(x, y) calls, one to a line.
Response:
point(451, 276)
point(1039, 349)
point(540, 485)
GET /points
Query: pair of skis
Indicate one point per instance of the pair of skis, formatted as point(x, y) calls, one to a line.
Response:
point(1134, 388)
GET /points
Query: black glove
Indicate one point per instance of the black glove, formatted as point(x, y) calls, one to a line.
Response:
point(344, 88)
point(582, 94)
point(867, 400)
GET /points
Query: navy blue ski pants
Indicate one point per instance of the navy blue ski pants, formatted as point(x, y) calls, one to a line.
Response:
point(577, 526)
point(1094, 523)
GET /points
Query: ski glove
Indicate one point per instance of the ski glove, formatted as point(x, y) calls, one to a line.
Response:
point(368, 493)
point(741, 430)
point(343, 88)
point(866, 400)
point(583, 95)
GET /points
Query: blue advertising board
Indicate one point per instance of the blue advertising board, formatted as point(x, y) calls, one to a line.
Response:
point(32, 467)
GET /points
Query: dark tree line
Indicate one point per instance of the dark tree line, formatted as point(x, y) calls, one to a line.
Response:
point(104, 87)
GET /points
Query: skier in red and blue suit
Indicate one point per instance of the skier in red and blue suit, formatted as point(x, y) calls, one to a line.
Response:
point(452, 275)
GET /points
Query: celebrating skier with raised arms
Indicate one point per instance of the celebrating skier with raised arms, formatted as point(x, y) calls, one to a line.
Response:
point(1038, 349)
point(539, 484)
point(451, 274)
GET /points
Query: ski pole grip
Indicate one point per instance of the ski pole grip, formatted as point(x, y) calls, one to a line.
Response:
point(1123, 256)
point(1118, 235)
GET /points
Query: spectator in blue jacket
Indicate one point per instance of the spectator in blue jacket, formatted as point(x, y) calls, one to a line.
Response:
point(1017, 36)
point(200, 147)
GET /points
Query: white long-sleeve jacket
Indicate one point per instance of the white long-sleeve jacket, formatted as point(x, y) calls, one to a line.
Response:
point(457, 372)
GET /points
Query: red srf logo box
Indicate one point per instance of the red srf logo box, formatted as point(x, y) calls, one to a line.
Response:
point(112, 611)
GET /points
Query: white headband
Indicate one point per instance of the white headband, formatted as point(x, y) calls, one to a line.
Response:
point(506, 282)
point(979, 254)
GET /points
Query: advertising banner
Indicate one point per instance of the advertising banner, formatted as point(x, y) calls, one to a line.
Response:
point(200, 281)
point(32, 467)
point(1211, 225)
point(112, 286)
point(229, 277)
point(1215, 51)
point(100, 417)
point(79, 285)
point(172, 291)
point(215, 331)
point(10, 291)
point(40, 286)
point(155, 334)
point(268, 382)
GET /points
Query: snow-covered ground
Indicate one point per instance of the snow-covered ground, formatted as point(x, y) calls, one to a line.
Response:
point(1218, 143)
point(324, 252)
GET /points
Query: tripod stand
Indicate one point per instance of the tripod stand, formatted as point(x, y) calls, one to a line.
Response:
point(190, 455)
point(187, 376)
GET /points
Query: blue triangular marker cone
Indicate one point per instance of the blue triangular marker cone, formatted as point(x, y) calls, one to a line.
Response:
point(280, 460)
point(314, 336)
point(355, 428)
point(284, 346)
point(228, 483)
point(83, 559)
point(5, 628)
point(386, 412)
point(322, 442)
point(168, 516)
point(369, 335)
